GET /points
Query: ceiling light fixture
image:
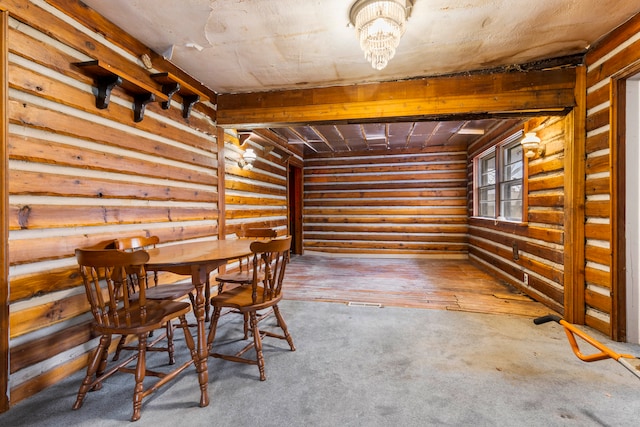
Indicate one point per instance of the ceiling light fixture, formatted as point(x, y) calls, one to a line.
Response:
point(471, 131)
point(379, 26)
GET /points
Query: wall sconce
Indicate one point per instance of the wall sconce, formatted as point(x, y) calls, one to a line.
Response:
point(247, 159)
point(531, 145)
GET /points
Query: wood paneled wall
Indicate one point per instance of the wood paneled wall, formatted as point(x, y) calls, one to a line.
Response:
point(255, 197)
point(609, 62)
point(79, 175)
point(535, 247)
point(387, 203)
point(4, 222)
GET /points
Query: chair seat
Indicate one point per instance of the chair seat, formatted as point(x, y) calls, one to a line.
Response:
point(169, 292)
point(174, 291)
point(240, 277)
point(157, 313)
point(241, 299)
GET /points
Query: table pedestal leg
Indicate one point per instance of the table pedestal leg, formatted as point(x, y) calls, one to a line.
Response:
point(201, 366)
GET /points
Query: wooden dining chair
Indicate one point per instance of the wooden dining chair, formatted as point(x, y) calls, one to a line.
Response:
point(265, 291)
point(244, 274)
point(174, 291)
point(116, 311)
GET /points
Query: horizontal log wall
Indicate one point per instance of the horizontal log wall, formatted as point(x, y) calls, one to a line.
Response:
point(609, 58)
point(256, 197)
point(79, 175)
point(535, 247)
point(387, 203)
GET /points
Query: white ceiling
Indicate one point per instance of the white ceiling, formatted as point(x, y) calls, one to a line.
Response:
point(258, 45)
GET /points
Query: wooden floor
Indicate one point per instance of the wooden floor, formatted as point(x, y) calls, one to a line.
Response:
point(420, 283)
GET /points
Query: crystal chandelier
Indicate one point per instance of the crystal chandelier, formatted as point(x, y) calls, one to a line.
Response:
point(379, 25)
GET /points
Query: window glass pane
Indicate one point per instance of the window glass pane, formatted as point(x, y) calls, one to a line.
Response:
point(511, 200)
point(488, 171)
point(488, 194)
point(513, 153)
point(487, 201)
point(513, 171)
point(511, 190)
point(487, 210)
point(512, 163)
point(512, 210)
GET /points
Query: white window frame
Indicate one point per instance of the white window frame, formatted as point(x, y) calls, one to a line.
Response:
point(496, 181)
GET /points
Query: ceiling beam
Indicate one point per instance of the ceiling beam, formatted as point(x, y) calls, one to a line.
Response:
point(346, 144)
point(409, 135)
point(321, 136)
point(303, 139)
point(496, 94)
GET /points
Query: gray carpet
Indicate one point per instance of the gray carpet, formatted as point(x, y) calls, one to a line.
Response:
point(361, 366)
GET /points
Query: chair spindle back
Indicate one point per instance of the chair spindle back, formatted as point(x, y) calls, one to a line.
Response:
point(104, 274)
point(272, 256)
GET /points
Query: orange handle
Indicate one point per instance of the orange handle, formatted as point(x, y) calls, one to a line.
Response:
point(572, 331)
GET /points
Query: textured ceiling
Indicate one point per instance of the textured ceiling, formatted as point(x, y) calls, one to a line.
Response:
point(257, 45)
point(237, 46)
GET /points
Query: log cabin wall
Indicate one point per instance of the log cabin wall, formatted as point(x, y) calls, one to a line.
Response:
point(256, 197)
point(79, 175)
point(609, 62)
point(509, 250)
point(387, 203)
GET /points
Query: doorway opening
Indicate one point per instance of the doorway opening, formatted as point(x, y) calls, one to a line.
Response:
point(295, 184)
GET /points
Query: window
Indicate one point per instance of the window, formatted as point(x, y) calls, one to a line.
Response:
point(499, 181)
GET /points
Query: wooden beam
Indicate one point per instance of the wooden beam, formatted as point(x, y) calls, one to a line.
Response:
point(574, 209)
point(4, 214)
point(222, 224)
point(266, 137)
point(617, 170)
point(483, 95)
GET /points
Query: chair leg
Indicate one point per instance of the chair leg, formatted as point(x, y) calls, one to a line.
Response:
point(102, 366)
point(212, 327)
point(207, 300)
point(246, 325)
point(141, 368)
point(170, 346)
point(121, 343)
point(257, 341)
point(92, 369)
point(188, 338)
point(283, 326)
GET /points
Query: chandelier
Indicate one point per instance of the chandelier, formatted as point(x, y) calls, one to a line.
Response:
point(379, 25)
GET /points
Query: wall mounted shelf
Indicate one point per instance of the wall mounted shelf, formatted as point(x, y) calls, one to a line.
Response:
point(107, 77)
point(172, 85)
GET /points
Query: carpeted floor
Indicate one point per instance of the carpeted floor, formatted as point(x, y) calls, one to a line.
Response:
point(364, 366)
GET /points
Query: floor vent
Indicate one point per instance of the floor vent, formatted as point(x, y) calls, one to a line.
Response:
point(364, 304)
